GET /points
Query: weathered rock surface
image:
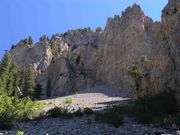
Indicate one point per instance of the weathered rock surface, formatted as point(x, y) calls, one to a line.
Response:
point(125, 40)
point(171, 25)
point(86, 57)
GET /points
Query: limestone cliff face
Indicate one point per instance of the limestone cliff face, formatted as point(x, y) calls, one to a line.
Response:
point(171, 27)
point(71, 69)
point(39, 56)
point(81, 58)
point(125, 40)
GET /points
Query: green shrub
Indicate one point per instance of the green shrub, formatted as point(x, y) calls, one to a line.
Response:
point(99, 29)
point(55, 112)
point(160, 109)
point(20, 133)
point(78, 113)
point(13, 109)
point(69, 100)
point(155, 108)
point(88, 111)
point(111, 116)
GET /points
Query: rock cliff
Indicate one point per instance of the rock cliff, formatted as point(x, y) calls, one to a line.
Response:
point(82, 58)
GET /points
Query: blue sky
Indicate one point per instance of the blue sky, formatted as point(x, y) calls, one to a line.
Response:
point(21, 18)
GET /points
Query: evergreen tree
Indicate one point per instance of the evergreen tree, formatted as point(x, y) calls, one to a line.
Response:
point(48, 88)
point(14, 72)
point(38, 91)
point(4, 71)
point(30, 40)
point(99, 29)
point(10, 80)
point(55, 48)
point(29, 82)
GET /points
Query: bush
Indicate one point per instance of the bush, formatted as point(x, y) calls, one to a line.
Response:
point(13, 109)
point(99, 29)
point(160, 109)
point(55, 112)
point(155, 108)
point(88, 111)
point(69, 100)
point(20, 133)
point(111, 116)
point(63, 112)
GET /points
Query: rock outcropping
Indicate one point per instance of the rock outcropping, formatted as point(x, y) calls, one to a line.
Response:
point(85, 58)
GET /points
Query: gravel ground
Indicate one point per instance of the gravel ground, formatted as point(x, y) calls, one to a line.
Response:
point(96, 98)
point(86, 126)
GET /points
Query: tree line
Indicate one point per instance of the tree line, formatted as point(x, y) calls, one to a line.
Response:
point(16, 81)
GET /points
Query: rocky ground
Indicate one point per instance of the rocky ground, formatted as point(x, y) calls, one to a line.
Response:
point(86, 126)
point(96, 98)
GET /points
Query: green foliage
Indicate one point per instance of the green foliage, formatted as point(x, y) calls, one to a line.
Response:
point(88, 29)
point(13, 79)
point(13, 109)
point(48, 88)
point(5, 71)
point(155, 108)
point(44, 39)
point(88, 111)
point(30, 40)
point(111, 116)
point(12, 46)
point(20, 133)
point(73, 32)
point(99, 29)
point(38, 91)
point(138, 71)
point(144, 59)
point(25, 41)
point(63, 112)
point(55, 48)
point(68, 100)
point(29, 82)
point(160, 109)
point(78, 113)
point(56, 112)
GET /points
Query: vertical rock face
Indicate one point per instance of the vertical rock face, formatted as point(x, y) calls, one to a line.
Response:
point(39, 56)
point(79, 58)
point(125, 40)
point(171, 25)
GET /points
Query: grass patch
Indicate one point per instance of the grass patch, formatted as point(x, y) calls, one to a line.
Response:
point(69, 100)
point(20, 133)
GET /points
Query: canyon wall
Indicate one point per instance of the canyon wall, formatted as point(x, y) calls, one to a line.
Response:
point(86, 58)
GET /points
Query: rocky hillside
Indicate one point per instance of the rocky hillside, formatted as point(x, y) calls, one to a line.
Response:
point(83, 58)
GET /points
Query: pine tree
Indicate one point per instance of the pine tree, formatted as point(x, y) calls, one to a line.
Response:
point(10, 80)
point(29, 82)
point(48, 88)
point(4, 71)
point(14, 79)
point(38, 91)
point(30, 41)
